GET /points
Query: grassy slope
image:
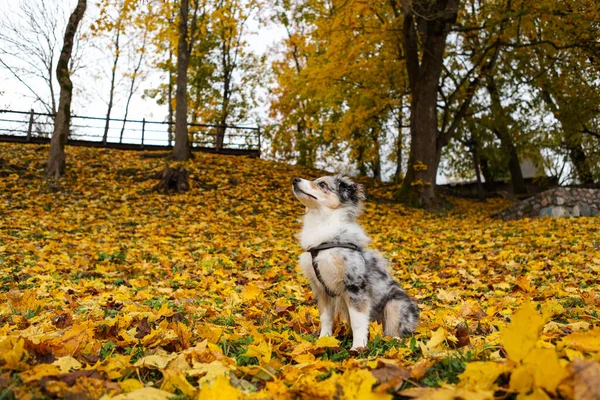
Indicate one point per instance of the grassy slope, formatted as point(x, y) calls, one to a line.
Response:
point(84, 266)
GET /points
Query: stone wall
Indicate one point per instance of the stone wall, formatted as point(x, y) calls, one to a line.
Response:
point(559, 202)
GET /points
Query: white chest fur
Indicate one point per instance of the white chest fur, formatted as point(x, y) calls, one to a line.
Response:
point(331, 268)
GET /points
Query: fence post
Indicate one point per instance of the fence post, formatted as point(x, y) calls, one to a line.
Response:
point(30, 128)
point(143, 131)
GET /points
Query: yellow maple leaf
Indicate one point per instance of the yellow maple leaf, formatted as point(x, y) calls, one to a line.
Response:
point(67, 363)
point(37, 372)
point(548, 373)
point(536, 394)
point(520, 337)
point(585, 341)
point(262, 351)
point(210, 333)
point(327, 341)
point(115, 367)
point(184, 335)
point(129, 385)
point(174, 380)
point(375, 329)
point(221, 389)
point(447, 296)
point(428, 393)
point(357, 384)
point(147, 393)
point(481, 375)
point(521, 379)
point(159, 361)
point(552, 308)
point(301, 348)
point(305, 358)
point(209, 372)
point(12, 352)
point(251, 292)
point(158, 335)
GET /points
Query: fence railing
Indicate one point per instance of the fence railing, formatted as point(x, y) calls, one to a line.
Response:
point(31, 126)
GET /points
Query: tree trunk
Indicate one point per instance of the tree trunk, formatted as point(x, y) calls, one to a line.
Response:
point(502, 131)
point(170, 98)
point(376, 162)
point(113, 79)
point(181, 150)
point(434, 19)
point(132, 86)
point(302, 146)
point(227, 68)
point(486, 171)
point(51, 86)
point(473, 147)
point(571, 137)
point(56, 161)
point(579, 160)
point(220, 137)
point(398, 173)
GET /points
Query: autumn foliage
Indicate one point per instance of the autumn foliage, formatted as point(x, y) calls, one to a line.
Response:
point(112, 289)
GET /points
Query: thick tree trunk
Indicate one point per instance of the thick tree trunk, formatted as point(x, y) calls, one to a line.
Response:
point(181, 150)
point(578, 158)
point(502, 131)
point(111, 96)
point(56, 161)
point(571, 137)
point(423, 159)
point(434, 19)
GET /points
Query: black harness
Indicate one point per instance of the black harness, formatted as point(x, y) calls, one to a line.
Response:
point(314, 252)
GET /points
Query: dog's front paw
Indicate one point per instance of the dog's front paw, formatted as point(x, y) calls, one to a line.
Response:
point(325, 333)
point(356, 351)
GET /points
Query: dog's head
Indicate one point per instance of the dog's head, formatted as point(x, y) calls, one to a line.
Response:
point(329, 193)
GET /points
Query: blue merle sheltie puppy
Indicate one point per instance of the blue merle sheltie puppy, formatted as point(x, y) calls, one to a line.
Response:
point(348, 279)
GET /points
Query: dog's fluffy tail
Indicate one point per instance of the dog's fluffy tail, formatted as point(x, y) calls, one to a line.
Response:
point(400, 316)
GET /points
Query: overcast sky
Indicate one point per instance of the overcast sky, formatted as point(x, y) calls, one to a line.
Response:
point(92, 82)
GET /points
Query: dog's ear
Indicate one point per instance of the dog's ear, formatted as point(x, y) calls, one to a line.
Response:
point(349, 191)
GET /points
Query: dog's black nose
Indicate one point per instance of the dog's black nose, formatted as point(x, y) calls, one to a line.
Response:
point(296, 181)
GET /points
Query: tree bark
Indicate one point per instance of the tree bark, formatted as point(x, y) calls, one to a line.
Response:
point(501, 130)
point(473, 147)
point(486, 171)
point(376, 162)
point(136, 71)
point(56, 161)
point(571, 137)
point(113, 78)
point(399, 150)
point(227, 76)
point(432, 19)
point(181, 150)
point(170, 98)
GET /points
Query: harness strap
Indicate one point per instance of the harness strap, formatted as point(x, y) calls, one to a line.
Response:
point(314, 252)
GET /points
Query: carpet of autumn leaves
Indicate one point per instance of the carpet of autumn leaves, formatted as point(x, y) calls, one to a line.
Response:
point(109, 289)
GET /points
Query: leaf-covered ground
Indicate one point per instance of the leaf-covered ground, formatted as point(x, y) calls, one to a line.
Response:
point(109, 289)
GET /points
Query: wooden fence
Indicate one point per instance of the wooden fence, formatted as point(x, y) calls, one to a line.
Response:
point(33, 127)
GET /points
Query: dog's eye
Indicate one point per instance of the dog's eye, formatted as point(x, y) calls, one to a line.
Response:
point(323, 185)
